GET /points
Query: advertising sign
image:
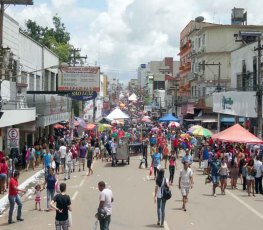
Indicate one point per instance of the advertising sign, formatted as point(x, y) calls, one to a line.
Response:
point(235, 103)
point(79, 79)
point(12, 138)
point(83, 95)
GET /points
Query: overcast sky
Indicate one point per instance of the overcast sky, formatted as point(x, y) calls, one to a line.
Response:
point(121, 34)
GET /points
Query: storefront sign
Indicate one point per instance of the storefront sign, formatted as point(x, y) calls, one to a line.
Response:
point(235, 103)
point(83, 95)
point(79, 79)
point(12, 138)
point(43, 121)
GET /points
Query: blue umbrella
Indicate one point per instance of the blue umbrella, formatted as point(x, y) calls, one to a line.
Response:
point(168, 118)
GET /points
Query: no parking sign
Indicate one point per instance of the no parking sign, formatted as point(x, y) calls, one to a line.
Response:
point(12, 138)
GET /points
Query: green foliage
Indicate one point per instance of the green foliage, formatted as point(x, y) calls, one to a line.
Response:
point(57, 38)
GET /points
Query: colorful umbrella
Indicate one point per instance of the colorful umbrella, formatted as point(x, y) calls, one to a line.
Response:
point(194, 127)
point(58, 126)
point(185, 135)
point(90, 126)
point(174, 124)
point(102, 127)
point(202, 132)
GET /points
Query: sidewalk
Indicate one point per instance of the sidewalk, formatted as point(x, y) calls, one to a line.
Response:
point(25, 178)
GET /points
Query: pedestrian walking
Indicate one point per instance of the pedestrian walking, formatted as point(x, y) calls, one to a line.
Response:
point(215, 166)
point(165, 155)
point(68, 164)
point(82, 155)
point(14, 198)
point(185, 182)
point(3, 175)
point(234, 171)
point(114, 147)
point(172, 165)
point(62, 204)
point(156, 162)
point(31, 157)
point(251, 172)
point(161, 181)
point(105, 205)
point(57, 160)
point(62, 152)
point(38, 191)
point(50, 181)
point(223, 174)
point(90, 159)
point(258, 176)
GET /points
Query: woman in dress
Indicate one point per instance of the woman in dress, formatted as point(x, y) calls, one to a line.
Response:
point(250, 177)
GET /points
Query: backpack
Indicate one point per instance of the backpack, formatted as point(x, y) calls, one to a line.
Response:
point(166, 192)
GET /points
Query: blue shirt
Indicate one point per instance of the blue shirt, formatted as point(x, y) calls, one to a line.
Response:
point(215, 166)
point(156, 159)
point(153, 140)
point(205, 154)
point(188, 158)
point(47, 159)
point(51, 181)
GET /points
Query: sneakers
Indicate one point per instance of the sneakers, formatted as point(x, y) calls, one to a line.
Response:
point(11, 222)
point(20, 219)
point(214, 194)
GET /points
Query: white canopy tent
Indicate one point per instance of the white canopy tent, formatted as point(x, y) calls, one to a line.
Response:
point(117, 114)
point(133, 97)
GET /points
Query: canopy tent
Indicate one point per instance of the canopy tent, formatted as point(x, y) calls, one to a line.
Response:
point(237, 133)
point(117, 114)
point(133, 97)
point(168, 118)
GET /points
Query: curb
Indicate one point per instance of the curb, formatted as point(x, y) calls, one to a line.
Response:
point(4, 201)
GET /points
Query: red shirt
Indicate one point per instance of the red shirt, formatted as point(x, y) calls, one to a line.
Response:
point(12, 184)
point(175, 143)
point(3, 168)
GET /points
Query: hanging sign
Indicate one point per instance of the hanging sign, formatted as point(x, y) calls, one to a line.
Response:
point(83, 95)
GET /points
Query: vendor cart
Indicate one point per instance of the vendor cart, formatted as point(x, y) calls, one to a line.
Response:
point(123, 153)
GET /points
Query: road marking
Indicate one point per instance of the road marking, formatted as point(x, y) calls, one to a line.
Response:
point(75, 195)
point(246, 205)
point(166, 225)
point(82, 182)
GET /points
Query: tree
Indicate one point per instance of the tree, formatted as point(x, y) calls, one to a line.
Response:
point(57, 38)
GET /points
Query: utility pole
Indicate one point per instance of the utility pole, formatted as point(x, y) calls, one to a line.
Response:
point(2, 12)
point(75, 51)
point(259, 91)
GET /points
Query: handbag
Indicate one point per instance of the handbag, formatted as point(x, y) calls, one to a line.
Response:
point(101, 214)
point(166, 192)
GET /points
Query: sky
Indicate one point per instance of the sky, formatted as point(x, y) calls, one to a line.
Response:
point(119, 35)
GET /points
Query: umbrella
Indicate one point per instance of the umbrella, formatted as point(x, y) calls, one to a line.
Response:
point(146, 120)
point(90, 126)
point(202, 132)
point(117, 122)
point(169, 117)
point(174, 124)
point(146, 117)
point(191, 129)
point(154, 129)
point(58, 126)
point(185, 135)
point(104, 126)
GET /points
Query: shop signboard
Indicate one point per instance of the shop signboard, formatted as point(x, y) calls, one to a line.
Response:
point(83, 95)
point(79, 79)
point(235, 103)
point(12, 138)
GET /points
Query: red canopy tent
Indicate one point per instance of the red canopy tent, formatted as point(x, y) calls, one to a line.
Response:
point(238, 134)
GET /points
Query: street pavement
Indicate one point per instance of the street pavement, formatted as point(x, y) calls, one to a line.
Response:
point(134, 206)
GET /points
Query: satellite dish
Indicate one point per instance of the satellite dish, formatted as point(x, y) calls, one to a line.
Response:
point(199, 19)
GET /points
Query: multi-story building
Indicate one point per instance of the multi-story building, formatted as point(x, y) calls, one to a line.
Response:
point(28, 66)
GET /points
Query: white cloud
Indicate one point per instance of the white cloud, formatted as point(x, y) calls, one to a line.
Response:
point(130, 32)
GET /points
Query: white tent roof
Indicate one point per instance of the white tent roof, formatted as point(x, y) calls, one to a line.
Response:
point(117, 114)
point(133, 97)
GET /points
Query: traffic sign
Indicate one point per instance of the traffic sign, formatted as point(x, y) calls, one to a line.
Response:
point(12, 138)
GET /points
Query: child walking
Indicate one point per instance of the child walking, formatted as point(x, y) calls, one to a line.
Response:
point(38, 191)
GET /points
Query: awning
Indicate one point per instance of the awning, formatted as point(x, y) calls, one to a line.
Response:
point(231, 119)
point(211, 120)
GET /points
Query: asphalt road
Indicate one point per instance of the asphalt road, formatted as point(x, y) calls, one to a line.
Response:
point(134, 206)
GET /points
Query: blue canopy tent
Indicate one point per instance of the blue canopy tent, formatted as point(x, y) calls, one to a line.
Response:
point(168, 118)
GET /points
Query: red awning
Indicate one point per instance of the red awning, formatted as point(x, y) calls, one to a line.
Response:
point(237, 134)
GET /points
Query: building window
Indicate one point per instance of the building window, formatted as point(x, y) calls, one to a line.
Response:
point(31, 81)
point(46, 80)
point(53, 81)
point(38, 83)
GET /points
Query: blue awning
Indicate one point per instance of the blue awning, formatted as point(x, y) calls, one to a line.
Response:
point(231, 119)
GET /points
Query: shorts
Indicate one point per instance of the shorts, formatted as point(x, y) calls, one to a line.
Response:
point(205, 164)
point(96, 150)
point(3, 176)
point(215, 179)
point(37, 199)
point(250, 177)
point(81, 160)
point(89, 163)
point(223, 177)
point(185, 191)
point(62, 161)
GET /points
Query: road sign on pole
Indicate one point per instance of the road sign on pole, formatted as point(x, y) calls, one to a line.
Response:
point(12, 138)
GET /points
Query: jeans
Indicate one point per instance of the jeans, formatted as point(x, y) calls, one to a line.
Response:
point(67, 170)
point(104, 224)
point(161, 210)
point(258, 184)
point(12, 200)
point(50, 196)
point(244, 183)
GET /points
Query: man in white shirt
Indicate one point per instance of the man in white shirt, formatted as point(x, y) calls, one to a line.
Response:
point(62, 152)
point(185, 182)
point(258, 177)
point(106, 199)
point(114, 147)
